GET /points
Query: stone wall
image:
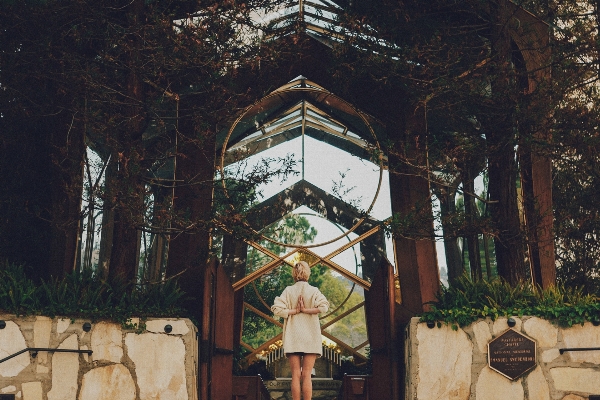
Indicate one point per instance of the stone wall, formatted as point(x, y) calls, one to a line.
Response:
point(125, 364)
point(447, 364)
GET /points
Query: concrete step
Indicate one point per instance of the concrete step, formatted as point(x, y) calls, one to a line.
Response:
point(323, 388)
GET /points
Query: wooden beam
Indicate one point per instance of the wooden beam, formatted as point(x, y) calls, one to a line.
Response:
point(262, 314)
point(342, 315)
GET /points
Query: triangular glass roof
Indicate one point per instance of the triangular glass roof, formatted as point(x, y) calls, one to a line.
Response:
point(299, 108)
point(319, 19)
point(301, 115)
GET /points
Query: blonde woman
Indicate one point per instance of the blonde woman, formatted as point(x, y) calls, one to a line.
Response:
point(299, 305)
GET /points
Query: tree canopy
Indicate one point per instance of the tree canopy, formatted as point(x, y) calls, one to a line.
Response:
point(143, 82)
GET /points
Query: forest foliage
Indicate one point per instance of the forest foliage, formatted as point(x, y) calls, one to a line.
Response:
point(86, 295)
point(483, 107)
point(124, 77)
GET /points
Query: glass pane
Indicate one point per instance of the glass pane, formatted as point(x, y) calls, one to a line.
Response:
point(261, 293)
point(350, 178)
point(257, 330)
point(293, 229)
point(265, 172)
point(341, 293)
point(256, 259)
point(350, 260)
point(352, 329)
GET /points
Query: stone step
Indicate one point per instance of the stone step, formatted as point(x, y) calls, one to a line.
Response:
point(323, 389)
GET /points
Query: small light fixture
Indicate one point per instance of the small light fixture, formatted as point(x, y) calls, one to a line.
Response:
point(87, 327)
point(168, 328)
point(596, 321)
point(511, 322)
point(2, 324)
point(430, 324)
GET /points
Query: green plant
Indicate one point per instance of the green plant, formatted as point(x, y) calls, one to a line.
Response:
point(137, 327)
point(17, 292)
point(467, 301)
point(85, 295)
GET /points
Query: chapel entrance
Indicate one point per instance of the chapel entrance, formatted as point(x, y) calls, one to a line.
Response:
point(325, 201)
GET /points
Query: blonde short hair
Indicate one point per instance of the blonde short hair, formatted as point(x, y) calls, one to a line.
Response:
point(301, 271)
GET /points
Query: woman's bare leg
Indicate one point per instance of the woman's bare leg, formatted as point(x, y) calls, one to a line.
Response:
point(308, 362)
point(295, 360)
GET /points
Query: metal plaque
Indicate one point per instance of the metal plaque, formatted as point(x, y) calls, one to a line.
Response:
point(512, 354)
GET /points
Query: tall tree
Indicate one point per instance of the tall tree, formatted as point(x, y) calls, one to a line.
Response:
point(463, 61)
point(113, 76)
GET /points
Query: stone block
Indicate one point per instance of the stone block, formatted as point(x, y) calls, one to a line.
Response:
point(537, 385)
point(65, 370)
point(587, 335)
point(544, 332)
point(482, 333)
point(569, 379)
point(444, 363)
point(62, 324)
point(107, 342)
point(108, 383)
point(42, 328)
point(501, 324)
point(493, 386)
point(8, 389)
point(550, 355)
point(11, 342)
point(32, 391)
point(159, 365)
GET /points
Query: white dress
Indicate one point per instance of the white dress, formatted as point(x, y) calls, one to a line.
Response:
point(301, 332)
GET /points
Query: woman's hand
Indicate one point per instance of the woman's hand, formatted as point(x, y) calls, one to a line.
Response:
point(301, 303)
point(306, 310)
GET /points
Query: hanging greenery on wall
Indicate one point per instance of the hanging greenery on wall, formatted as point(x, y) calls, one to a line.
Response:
point(467, 301)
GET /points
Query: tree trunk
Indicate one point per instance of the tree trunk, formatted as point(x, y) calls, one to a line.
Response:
point(129, 205)
point(189, 250)
point(447, 198)
point(597, 10)
point(108, 218)
point(501, 139)
point(67, 147)
point(416, 259)
point(471, 214)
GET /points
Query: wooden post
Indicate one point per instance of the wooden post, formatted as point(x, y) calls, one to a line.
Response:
point(416, 259)
point(380, 307)
point(531, 36)
point(189, 250)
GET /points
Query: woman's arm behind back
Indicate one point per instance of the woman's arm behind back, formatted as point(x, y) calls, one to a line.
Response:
point(280, 307)
point(319, 304)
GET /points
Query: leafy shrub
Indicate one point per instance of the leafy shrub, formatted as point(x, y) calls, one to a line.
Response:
point(467, 301)
point(18, 294)
point(86, 295)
